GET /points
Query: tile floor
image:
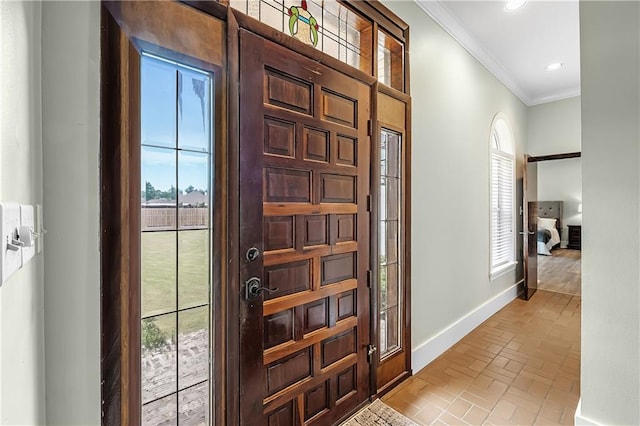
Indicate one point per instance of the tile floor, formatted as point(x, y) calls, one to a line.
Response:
point(521, 366)
point(561, 272)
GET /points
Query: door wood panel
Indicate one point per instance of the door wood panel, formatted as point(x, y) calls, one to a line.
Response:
point(304, 182)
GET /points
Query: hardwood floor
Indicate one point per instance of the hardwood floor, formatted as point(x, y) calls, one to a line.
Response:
point(521, 366)
point(561, 272)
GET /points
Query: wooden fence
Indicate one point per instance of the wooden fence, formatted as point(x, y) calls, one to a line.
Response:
point(163, 218)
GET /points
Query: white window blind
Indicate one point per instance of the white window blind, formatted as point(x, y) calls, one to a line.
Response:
point(502, 208)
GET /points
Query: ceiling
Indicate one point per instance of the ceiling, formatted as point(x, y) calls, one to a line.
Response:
point(517, 46)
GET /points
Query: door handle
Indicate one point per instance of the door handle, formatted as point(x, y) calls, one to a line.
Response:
point(253, 287)
point(525, 233)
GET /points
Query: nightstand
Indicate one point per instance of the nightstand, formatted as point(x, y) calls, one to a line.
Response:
point(575, 237)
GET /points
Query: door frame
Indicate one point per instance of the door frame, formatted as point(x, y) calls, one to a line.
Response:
point(123, 31)
point(128, 29)
point(527, 214)
point(392, 123)
point(530, 250)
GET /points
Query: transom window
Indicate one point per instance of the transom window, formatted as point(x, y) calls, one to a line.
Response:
point(502, 198)
point(327, 25)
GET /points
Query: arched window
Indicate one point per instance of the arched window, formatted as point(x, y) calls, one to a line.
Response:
point(503, 228)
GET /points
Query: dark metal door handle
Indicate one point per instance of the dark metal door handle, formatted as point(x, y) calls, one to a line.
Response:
point(253, 287)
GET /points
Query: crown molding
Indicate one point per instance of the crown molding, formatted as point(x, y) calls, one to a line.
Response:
point(439, 12)
point(571, 93)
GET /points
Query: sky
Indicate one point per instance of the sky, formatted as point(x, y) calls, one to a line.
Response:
point(174, 96)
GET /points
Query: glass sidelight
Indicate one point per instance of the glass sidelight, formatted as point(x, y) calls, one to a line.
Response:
point(390, 293)
point(176, 211)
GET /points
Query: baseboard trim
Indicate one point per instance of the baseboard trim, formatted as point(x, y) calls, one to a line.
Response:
point(437, 345)
point(580, 420)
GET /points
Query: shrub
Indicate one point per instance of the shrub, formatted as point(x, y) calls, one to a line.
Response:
point(152, 336)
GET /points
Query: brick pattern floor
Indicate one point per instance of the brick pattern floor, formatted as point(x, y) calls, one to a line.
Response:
point(521, 366)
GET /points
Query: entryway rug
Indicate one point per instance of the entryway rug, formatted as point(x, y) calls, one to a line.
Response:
point(378, 414)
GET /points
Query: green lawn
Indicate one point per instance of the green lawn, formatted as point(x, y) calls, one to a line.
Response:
point(162, 269)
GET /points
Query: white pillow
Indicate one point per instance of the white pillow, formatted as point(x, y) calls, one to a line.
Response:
point(546, 223)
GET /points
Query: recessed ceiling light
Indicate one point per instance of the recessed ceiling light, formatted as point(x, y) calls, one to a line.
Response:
point(514, 4)
point(553, 67)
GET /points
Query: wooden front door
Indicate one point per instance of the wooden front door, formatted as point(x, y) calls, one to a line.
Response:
point(304, 238)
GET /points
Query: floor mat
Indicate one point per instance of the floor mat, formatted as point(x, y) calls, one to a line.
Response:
point(378, 414)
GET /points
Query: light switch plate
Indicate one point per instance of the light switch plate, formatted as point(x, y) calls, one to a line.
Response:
point(27, 218)
point(10, 260)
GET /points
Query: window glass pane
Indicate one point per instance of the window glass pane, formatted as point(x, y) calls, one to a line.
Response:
point(158, 192)
point(194, 110)
point(194, 405)
point(272, 13)
point(392, 284)
point(158, 270)
point(502, 196)
point(389, 244)
point(393, 156)
point(384, 65)
point(158, 106)
point(193, 268)
point(175, 254)
point(390, 61)
point(159, 373)
point(383, 199)
point(393, 338)
point(383, 332)
point(328, 25)
point(391, 241)
point(393, 191)
point(383, 246)
point(383, 287)
point(383, 154)
point(193, 189)
point(193, 346)
point(160, 412)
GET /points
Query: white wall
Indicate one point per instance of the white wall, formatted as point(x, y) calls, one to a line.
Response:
point(610, 56)
point(454, 102)
point(71, 105)
point(554, 128)
point(22, 372)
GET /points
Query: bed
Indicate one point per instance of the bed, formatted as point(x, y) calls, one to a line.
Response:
point(549, 226)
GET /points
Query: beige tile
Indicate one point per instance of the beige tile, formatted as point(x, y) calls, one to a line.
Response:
point(476, 416)
point(496, 420)
point(522, 416)
point(487, 404)
point(551, 410)
point(478, 365)
point(459, 408)
point(428, 413)
point(545, 421)
point(482, 381)
point(398, 403)
point(434, 399)
point(504, 409)
point(450, 419)
point(514, 366)
point(522, 366)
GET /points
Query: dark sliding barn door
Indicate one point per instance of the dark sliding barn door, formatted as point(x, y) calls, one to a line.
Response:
point(304, 238)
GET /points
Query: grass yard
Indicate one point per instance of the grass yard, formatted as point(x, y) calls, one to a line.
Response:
point(176, 257)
